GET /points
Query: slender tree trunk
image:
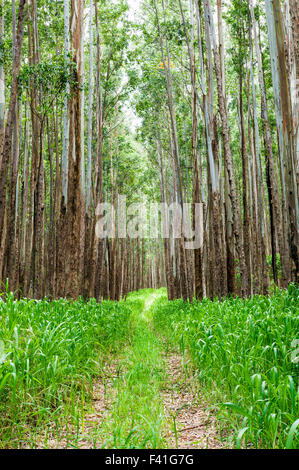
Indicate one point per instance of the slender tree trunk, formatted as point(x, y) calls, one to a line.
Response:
point(275, 29)
point(245, 180)
point(2, 86)
point(7, 145)
point(75, 190)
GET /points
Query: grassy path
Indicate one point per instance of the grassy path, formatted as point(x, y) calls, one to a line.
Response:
point(146, 398)
point(136, 417)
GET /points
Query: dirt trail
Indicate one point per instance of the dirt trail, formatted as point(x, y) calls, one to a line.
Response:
point(193, 425)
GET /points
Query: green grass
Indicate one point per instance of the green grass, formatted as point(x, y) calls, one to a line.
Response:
point(49, 354)
point(52, 353)
point(242, 352)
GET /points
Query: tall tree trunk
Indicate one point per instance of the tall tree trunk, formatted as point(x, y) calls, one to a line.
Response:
point(231, 188)
point(7, 145)
point(2, 86)
point(275, 29)
point(245, 180)
point(75, 190)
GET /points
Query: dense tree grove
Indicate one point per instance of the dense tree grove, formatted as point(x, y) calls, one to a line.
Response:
point(190, 101)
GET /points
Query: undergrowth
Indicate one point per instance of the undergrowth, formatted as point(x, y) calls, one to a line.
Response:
point(243, 351)
point(49, 353)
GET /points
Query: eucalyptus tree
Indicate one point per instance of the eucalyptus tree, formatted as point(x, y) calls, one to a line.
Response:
point(2, 79)
point(287, 126)
point(7, 145)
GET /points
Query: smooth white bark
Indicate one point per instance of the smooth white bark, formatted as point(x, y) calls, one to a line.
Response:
point(90, 104)
point(66, 120)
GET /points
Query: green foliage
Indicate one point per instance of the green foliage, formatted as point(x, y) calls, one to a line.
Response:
point(50, 77)
point(174, 30)
point(5, 52)
point(50, 350)
point(50, 353)
point(242, 350)
point(137, 419)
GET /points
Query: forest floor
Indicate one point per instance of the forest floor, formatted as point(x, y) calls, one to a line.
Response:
point(148, 373)
point(147, 397)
